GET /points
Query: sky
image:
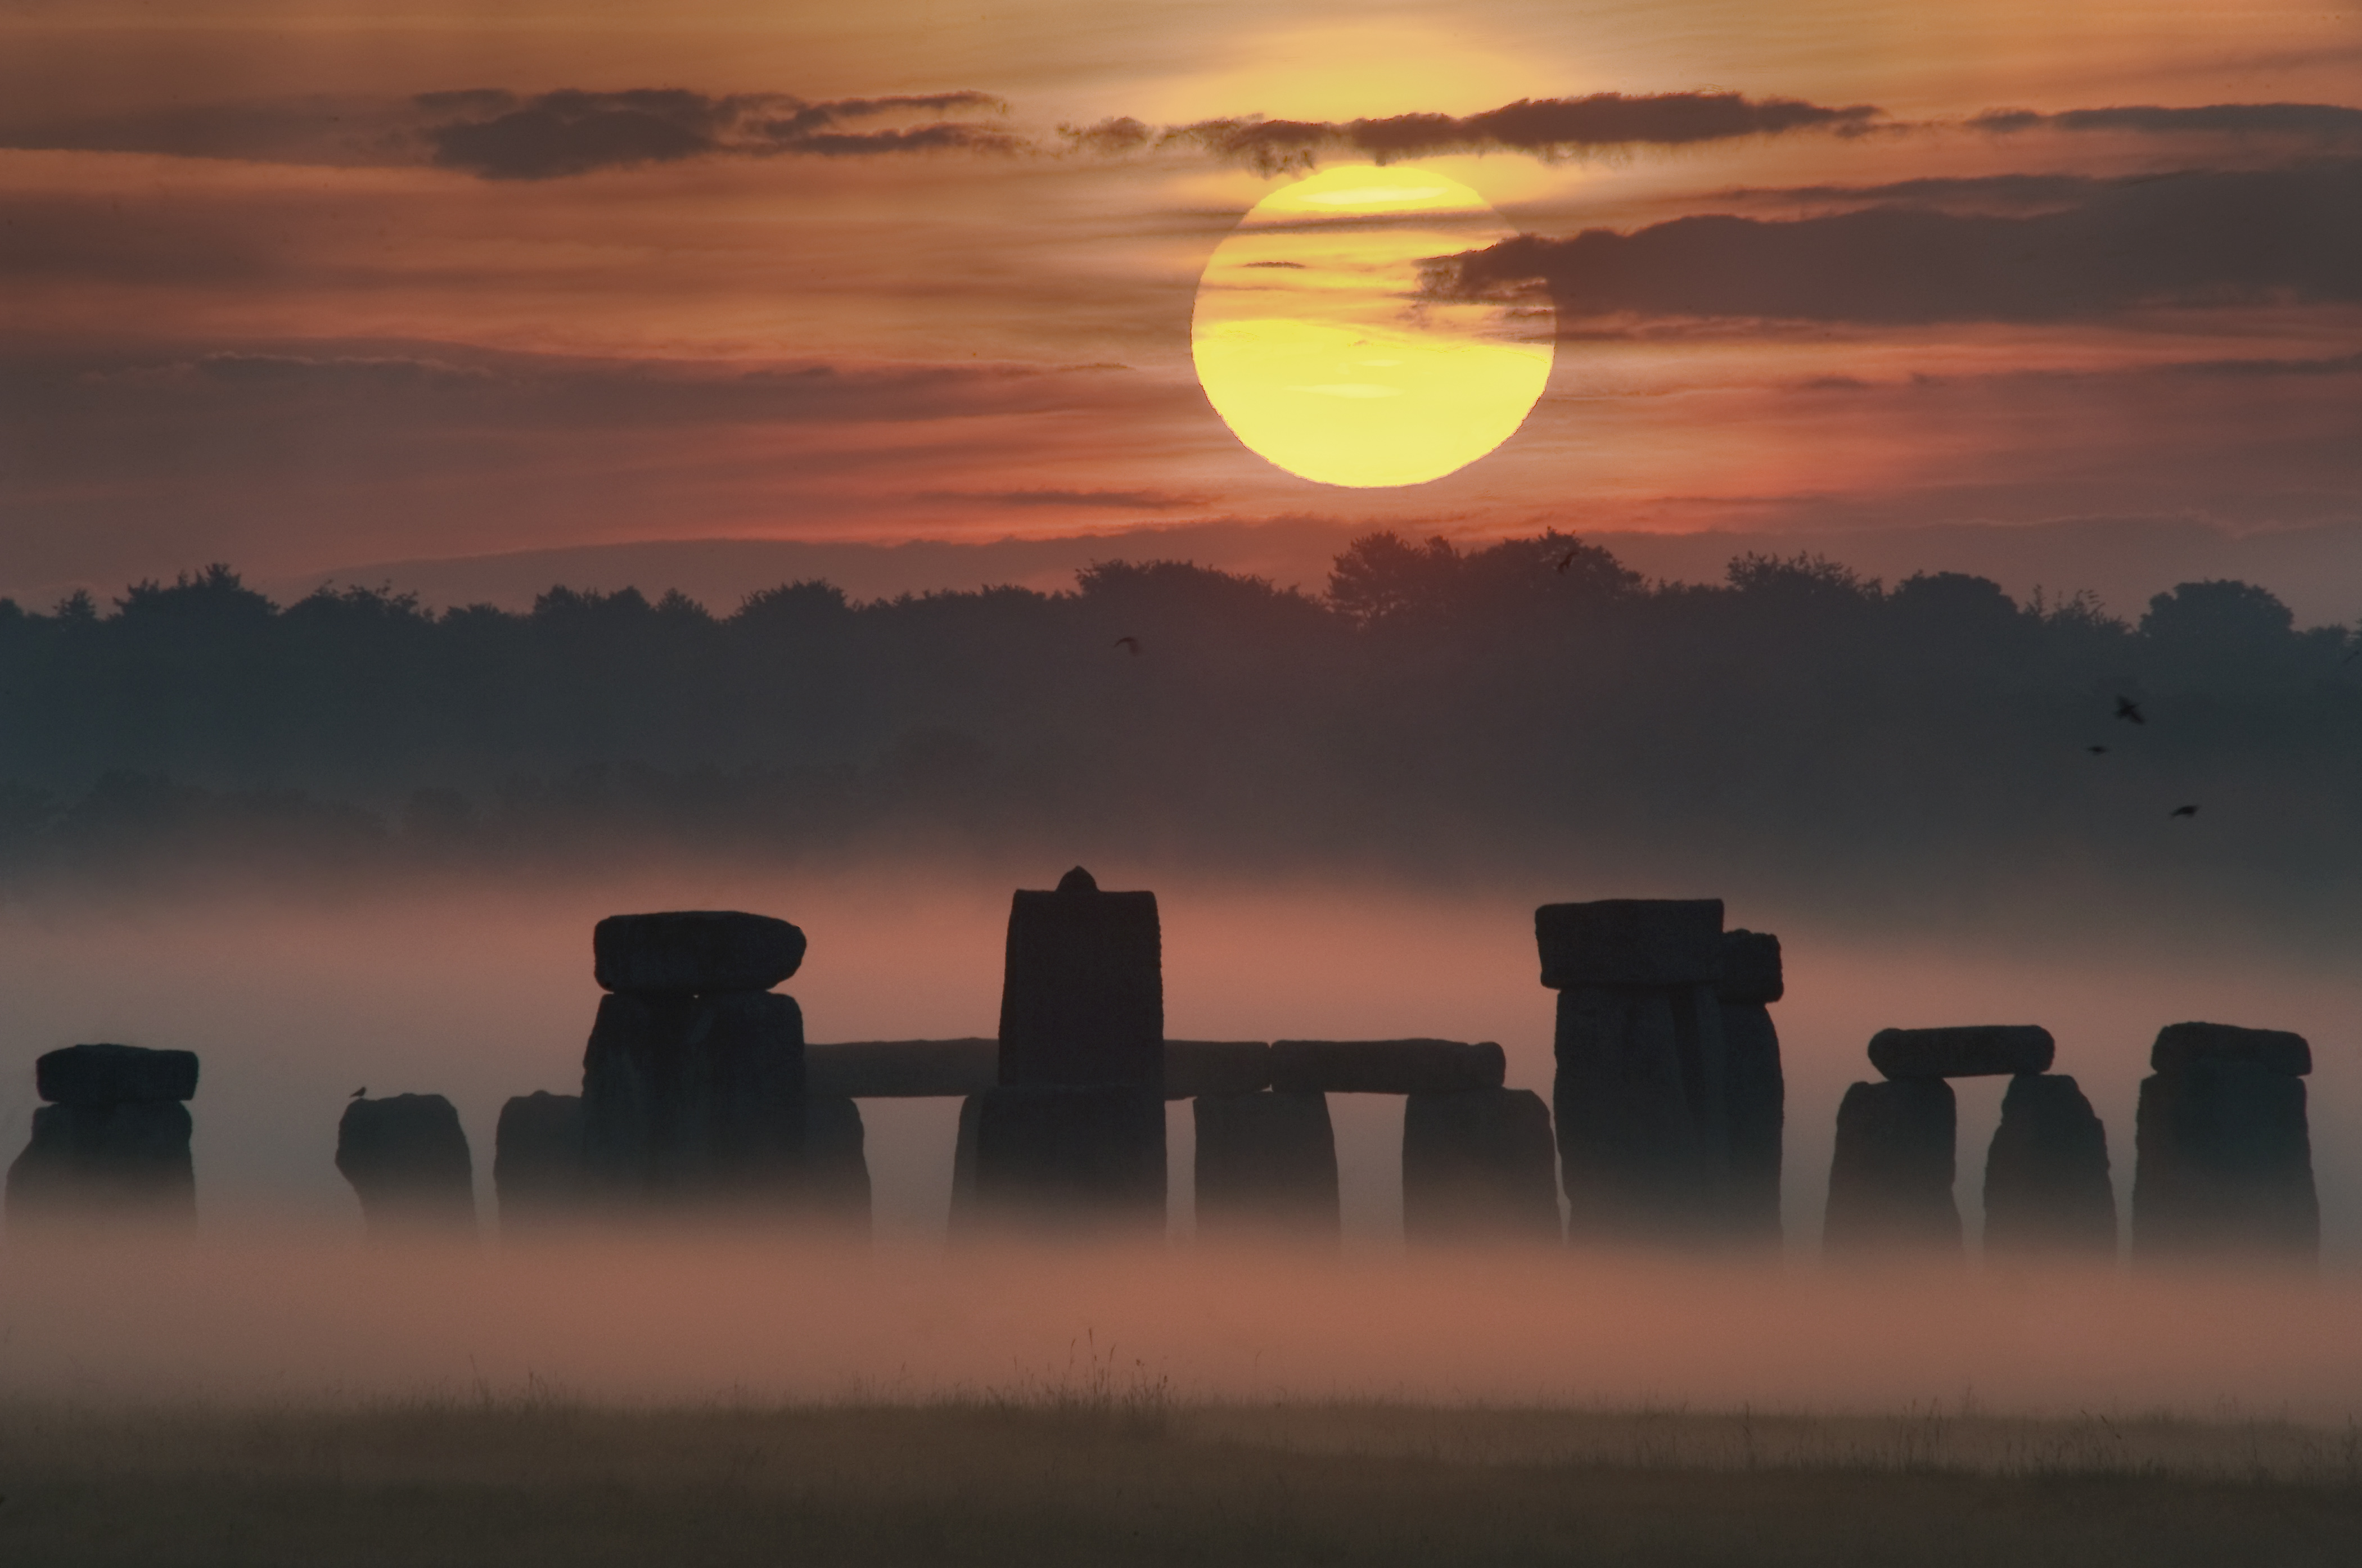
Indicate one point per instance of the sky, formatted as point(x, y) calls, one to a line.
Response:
point(307, 286)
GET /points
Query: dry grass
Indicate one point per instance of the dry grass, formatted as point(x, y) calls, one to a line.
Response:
point(1107, 1469)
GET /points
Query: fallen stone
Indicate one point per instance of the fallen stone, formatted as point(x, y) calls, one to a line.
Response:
point(1630, 941)
point(126, 1161)
point(903, 1069)
point(2275, 1050)
point(695, 1098)
point(1751, 969)
point(2046, 1189)
point(1064, 1154)
point(1973, 1050)
point(2223, 1164)
point(1385, 1067)
point(836, 1188)
point(1755, 1108)
point(114, 1074)
point(407, 1159)
point(694, 951)
point(1891, 1177)
point(1478, 1165)
point(537, 1168)
point(1082, 997)
point(1198, 1067)
point(1642, 1112)
point(1266, 1162)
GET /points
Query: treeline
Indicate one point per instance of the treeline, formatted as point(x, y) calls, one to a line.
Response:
point(1435, 709)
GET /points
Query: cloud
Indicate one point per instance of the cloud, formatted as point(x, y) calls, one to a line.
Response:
point(1138, 500)
point(2324, 123)
point(2292, 234)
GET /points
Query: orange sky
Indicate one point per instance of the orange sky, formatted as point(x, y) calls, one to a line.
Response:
point(245, 314)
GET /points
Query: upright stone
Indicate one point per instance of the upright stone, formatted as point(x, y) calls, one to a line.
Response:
point(1083, 1155)
point(962, 1208)
point(407, 1159)
point(113, 1143)
point(835, 1188)
point(1891, 1178)
point(537, 1173)
point(1754, 1090)
point(2046, 1189)
point(695, 1098)
point(1477, 1167)
point(2224, 1157)
point(1266, 1163)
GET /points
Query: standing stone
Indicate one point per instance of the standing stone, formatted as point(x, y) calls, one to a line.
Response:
point(113, 1143)
point(962, 1210)
point(2223, 1156)
point(695, 1098)
point(407, 1159)
point(1891, 1179)
point(538, 1174)
point(1477, 1166)
point(1066, 1154)
point(1266, 1162)
point(2046, 1188)
point(1754, 1091)
point(835, 1187)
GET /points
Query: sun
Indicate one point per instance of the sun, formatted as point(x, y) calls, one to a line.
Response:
point(1314, 343)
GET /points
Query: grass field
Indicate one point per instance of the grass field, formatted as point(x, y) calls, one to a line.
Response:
point(1102, 1474)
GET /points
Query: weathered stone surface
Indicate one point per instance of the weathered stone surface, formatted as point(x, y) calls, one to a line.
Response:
point(1642, 1112)
point(407, 1159)
point(903, 1069)
point(695, 1098)
point(1971, 1051)
point(1755, 1102)
point(537, 1169)
point(2225, 1164)
point(1891, 1177)
point(83, 1162)
point(694, 951)
point(1266, 1162)
point(1477, 1166)
point(1751, 969)
point(1386, 1066)
point(2046, 1187)
point(1082, 998)
point(1071, 1154)
point(1194, 1068)
point(2275, 1050)
point(114, 1074)
point(1630, 941)
point(835, 1188)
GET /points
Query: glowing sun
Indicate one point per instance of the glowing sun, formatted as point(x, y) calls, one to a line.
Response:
point(1314, 345)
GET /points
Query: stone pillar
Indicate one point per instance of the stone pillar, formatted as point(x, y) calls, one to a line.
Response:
point(2224, 1158)
point(962, 1212)
point(693, 1081)
point(1266, 1164)
point(114, 1140)
point(537, 1159)
point(1754, 1091)
point(407, 1159)
point(1642, 1094)
point(1075, 1128)
point(836, 1165)
point(1477, 1166)
point(2046, 1187)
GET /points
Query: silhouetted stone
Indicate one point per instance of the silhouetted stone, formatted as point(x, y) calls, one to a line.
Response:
point(1196, 1068)
point(114, 1074)
point(2046, 1188)
point(1385, 1067)
point(1077, 1154)
point(537, 1169)
point(407, 1159)
point(1643, 1130)
point(1630, 941)
point(962, 1209)
point(1973, 1050)
point(119, 1161)
point(2274, 1050)
point(697, 1098)
point(1477, 1166)
point(1266, 1162)
point(1891, 1178)
point(1754, 1091)
point(835, 1186)
point(903, 1069)
point(694, 951)
point(1082, 998)
point(2225, 1164)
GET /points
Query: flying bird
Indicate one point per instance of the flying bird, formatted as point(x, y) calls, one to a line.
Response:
point(2184, 811)
point(1131, 642)
point(1565, 560)
point(2127, 709)
point(2097, 751)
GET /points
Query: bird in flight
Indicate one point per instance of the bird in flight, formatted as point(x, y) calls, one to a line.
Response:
point(1131, 642)
point(2184, 811)
point(2127, 709)
point(1565, 562)
point(2097, 751)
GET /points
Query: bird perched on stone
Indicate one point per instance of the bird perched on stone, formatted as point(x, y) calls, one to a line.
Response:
point(2184, 811)
point(2127, 709)
point(1131, 642)
point(359, 1092)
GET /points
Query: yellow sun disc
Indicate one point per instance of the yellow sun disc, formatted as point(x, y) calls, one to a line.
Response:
point(1315, 344)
